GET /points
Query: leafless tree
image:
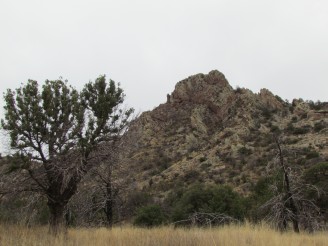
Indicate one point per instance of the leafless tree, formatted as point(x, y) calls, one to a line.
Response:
point(207, 219)
point(289, 203)
point(103, 192)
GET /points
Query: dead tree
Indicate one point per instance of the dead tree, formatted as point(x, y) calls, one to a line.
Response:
point(100, 200)
point(207, 220)
point(289, 203)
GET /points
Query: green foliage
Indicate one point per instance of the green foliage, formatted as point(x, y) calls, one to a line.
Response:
point(312, 154)
point(317, 105)
point(55, 116)
point(208, 199)
point(267, 113)
point(261, 190)
point(294, 119)
point(261, 193)
point(244, 151)
point(33, 117)
point(238, 90)
point(191, 175)
point(136, 200)
point(275, 129)
point(151, 215)
point(302, 130)
point(318, 126)
point(48, 124)
point(297, 130)
point(318, 175)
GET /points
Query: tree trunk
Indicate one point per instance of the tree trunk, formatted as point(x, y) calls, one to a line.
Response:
point(57, 222)
point(295, 218)
point(291, 203)
point(109, 204)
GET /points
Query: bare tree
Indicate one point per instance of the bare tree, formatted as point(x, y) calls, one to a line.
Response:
point(207, 219)
point(289, 203)
point(102, 197)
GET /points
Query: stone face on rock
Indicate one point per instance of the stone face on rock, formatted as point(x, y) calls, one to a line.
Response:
point(209, 132)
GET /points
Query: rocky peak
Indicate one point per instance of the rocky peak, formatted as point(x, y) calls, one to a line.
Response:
point(270, 100)
point(209, 132)
point(201, 89)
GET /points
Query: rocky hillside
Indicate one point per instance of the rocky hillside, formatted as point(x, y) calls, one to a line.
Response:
point(209, 132)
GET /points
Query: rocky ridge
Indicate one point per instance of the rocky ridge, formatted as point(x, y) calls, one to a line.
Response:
point(209, 132)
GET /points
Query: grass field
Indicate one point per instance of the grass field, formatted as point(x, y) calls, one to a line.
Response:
point(229, 235)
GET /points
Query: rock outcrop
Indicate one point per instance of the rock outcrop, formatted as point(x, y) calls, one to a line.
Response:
point(209, 132)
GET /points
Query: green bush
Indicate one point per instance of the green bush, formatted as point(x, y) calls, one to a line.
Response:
point(151, 215)
point(318, 126)
point(208, 199)
point(267, 113)
point(317, 105)
point(261, 193)
point(301, 130)
point(244, 151)
point(191, 175)
point(318, 175)
point(312, 154)
point(297, 130)
point(135, 200)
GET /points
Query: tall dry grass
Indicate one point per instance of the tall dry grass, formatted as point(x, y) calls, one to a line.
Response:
point(229, 235)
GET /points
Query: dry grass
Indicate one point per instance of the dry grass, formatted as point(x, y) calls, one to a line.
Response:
point(230, 235)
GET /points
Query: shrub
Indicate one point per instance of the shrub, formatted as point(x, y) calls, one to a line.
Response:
point(312, 154)
point(317, 105)
point(244, 151)
point(298, 130)
point(274, 129)
point(279, 99)
point(303, 130)
point(239, 90)
point(209, 199)
point(261, 193)
point(191, 175)
point(151, 215)
point(267, 113)
point(137, 199)
point(317, 175)
point(294, 119)
point(318, 126)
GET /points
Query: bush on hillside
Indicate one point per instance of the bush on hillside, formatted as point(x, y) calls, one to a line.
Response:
point(208, 199)
point(148, 216)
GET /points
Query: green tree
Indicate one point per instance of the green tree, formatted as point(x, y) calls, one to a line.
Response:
point(317, 175)
point(209, 199)
point(151, 215)
point(58, 134)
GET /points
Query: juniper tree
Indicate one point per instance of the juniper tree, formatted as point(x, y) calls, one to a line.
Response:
point(57, 131)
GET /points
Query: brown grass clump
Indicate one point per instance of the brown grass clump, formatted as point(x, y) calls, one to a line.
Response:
point(228, 235)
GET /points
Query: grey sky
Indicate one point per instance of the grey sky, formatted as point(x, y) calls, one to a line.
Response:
point(148, 46)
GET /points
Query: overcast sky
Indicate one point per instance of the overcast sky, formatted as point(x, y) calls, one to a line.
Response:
point(149, 46)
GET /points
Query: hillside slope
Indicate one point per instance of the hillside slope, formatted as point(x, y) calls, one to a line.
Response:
point(209, 132)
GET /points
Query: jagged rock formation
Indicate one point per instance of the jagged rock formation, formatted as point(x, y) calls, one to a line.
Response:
point(209, 132)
